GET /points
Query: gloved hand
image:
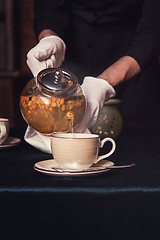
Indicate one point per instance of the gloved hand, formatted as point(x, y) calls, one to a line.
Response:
point(97, 91)
point(49, 52)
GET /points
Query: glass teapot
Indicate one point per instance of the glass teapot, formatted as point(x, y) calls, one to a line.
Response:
point(53, 101)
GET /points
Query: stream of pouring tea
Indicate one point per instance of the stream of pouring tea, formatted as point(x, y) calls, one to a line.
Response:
point(70, 116)
point(71, 126)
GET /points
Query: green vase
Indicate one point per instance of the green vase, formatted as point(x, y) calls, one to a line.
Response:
point(110, 121)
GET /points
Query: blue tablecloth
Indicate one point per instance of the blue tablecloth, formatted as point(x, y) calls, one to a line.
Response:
point(119, 204)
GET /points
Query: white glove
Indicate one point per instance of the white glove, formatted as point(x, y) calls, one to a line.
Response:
point(38, 140)
point(97, 91)
point(49, 52)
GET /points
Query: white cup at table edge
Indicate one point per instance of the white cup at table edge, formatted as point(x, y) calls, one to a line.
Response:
point(4, 129)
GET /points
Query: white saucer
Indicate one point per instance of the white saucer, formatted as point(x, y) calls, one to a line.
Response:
point(50, 167)
point(10, 142)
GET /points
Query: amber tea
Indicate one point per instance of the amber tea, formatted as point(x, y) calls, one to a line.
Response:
point(52, 114)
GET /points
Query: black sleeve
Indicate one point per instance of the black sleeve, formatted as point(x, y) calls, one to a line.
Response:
point(146, 44)
point(50, 14)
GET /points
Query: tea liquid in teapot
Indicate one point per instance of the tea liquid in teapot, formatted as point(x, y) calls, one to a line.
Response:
point(53, 101)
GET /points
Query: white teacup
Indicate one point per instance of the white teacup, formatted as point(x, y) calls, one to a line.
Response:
point(4, 129)
point(78, 151)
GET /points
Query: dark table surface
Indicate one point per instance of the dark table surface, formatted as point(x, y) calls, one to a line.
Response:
point(119, 204)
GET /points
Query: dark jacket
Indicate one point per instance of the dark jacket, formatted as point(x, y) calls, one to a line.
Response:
point(98, 33)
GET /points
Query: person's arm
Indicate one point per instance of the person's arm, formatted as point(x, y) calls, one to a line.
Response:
point(50, 17)
point(46, 33)
point(122, 70)
point(144, 49)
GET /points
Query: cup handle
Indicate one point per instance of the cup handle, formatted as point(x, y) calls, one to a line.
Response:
point(3, 131)
point(111, 151)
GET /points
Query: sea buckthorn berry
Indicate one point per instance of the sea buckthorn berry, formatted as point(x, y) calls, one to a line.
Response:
point(70, 115)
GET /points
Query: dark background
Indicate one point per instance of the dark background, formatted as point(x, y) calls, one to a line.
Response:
point(16, 39)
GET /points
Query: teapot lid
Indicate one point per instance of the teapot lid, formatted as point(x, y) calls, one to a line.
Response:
point(53, 81)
